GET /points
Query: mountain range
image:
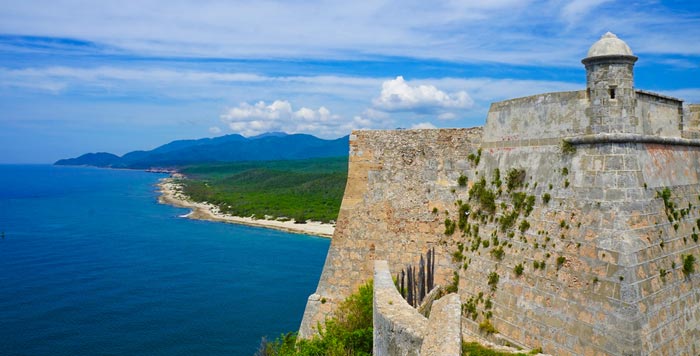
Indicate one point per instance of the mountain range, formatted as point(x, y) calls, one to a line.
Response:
point(228, 148)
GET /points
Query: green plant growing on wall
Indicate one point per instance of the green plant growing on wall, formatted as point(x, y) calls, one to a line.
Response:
point(498, 253)
point(463, 213)
point(469, 309)
point(483, 195)
point(475, 158)
point(515, 179)
point(564, 171)
point(523, 202)
point(546, 198)
point(454, 286)
point(566, 183)
point(476, 242)
point(462, 180)
point(567, 147)
point(524, 225)
point(449, 226)
point(457, 256)
point(496, 179)
point(348, 332)
point(486, 327)
point(518, 269)
point(529, 204)
point(688, 265)
point(560, 261)
point(508, 220)
point(476, 349)
point(669, 206)
point(695, 237)
point(493, 280)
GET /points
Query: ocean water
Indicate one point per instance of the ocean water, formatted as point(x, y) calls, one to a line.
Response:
point(91, 264)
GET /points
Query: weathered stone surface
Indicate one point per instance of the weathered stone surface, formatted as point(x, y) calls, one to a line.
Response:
point(398, 327)
point(443, 334)
point(395, 181)
point(602, 257)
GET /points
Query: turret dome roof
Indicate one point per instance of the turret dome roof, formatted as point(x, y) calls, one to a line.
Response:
point(609, 45)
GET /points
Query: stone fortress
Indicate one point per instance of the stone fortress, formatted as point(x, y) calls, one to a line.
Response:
point(569, 221)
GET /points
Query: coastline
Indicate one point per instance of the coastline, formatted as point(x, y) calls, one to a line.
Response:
point(171, 194)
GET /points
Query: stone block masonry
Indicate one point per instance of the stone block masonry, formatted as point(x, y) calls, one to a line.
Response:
point(569, 219)
point(400, 183)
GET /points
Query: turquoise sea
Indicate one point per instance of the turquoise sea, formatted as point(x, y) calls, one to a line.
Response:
point(91, 264)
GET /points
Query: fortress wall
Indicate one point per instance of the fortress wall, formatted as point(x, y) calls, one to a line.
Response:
point(668, 299)
point(659, 115)
point(395, 181)
point(607, 296)
point(551, 115)
point(558, 308)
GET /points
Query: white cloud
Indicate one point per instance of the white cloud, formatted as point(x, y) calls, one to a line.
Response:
point(689, 95)
point(397, 95)
point(423, 125)
point(279, 115)
point(215, 130)
point(447, 116)
point(577, 10)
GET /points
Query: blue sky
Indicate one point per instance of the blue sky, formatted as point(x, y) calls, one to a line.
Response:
point(118, 76)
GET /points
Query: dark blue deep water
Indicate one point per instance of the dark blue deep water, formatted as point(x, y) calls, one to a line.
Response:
point(91, 264)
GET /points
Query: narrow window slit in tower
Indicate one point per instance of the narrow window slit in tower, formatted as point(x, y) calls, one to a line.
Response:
point(612, 92)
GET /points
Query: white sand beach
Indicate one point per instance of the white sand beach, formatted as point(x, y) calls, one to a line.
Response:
point(171, 194)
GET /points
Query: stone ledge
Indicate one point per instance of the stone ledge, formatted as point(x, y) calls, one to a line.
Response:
point(398, 327)
point(444, 331)
point(400, 330)
point(630, 138)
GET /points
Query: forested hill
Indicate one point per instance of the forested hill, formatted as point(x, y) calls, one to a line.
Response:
point(298, 189)
point(229, 148)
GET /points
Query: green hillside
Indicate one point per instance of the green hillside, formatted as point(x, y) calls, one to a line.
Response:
point(297, 189)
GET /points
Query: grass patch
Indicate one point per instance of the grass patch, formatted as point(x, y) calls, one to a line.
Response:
point(475, 349)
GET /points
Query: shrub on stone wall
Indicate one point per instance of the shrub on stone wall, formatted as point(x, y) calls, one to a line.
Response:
point(348, 332)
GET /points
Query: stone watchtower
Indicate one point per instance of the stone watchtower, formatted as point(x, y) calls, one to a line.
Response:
point(610, 86)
